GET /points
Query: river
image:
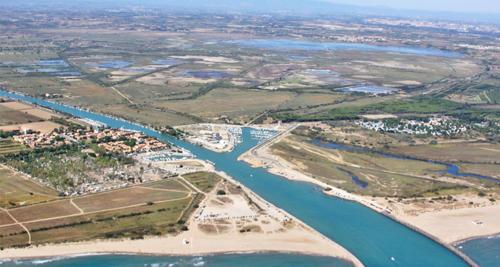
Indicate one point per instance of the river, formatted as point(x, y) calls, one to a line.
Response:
point(451, 169)
point(372, 237)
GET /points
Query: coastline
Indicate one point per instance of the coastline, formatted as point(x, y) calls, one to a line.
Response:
point(144, 247)
point(301, 239)
point(281, 247)
point(81, 255)
point(308, 241)
point(459, 242)
point(260, 156)
point(449, 246)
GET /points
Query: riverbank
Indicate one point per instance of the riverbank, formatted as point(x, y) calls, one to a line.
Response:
point(261, 157)
point(214, 228)
point(332, 217)
point(455, 225)
point(446, 226)
point(219, 138)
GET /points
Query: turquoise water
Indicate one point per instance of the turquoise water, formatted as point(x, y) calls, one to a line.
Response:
point(484, 251)
point(240, 260)
point(375, 239)
point(290, 44)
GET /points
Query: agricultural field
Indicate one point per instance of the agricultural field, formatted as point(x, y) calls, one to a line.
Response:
point(8, 146)
point(239, 104)
point(16, 116)
point(10, 116)
point(18, 190)
point(156, 208)
point(171, 78)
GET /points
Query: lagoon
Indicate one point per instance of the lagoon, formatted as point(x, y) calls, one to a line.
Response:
point(291, 44)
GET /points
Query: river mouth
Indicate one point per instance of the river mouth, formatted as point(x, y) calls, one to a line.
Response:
point(485, 251)
point(376, 240)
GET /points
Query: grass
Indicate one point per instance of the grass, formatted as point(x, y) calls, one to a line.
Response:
point(419, 105)
point(44, 211)
point(9, 116)
point(482, 169)
point(122, 198)
point(149, 115)
point(168, 184)
point(156, 211)
point(380, 183)
point(389, 164)
point(494, 96)
point(8, 146)
point(12, 236)
point(5, 218)
point(16, 190)
point(205, 181)
point(238, 104)
point(453, 152)
point(158, 219)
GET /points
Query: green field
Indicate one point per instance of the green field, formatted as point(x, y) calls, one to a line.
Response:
point(8, 146)
point(385, 177)
point(417, 105)
point(204, 181)
point(16, 190)
point(156, 208)
point(467, 152)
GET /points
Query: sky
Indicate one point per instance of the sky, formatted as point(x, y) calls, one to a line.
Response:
point(487, 11)
point(465, 6)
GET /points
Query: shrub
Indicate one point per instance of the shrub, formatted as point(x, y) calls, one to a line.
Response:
point(221, 192)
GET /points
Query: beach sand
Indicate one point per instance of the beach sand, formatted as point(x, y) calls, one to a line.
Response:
point(225, 216)
point(294, 241)
point(454, 225)
point(445, 225)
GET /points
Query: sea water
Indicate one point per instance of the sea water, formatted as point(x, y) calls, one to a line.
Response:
point(372, 237)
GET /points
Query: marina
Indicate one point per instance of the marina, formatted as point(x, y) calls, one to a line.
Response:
point(370, 236)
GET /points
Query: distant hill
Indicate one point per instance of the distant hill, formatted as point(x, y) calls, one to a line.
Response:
point(296, 7)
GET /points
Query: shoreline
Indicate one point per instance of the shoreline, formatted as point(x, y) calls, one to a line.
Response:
point(301, 240)
point(333, 191)
point(448, 246)
point(146, 254)
point(260, 156)
point(318, 243)
point(459, 242)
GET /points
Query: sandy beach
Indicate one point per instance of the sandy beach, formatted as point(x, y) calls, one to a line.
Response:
point(445, 225)
point(261, 156)
point(213, 228)
point(454, 225)
point(198, 244)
